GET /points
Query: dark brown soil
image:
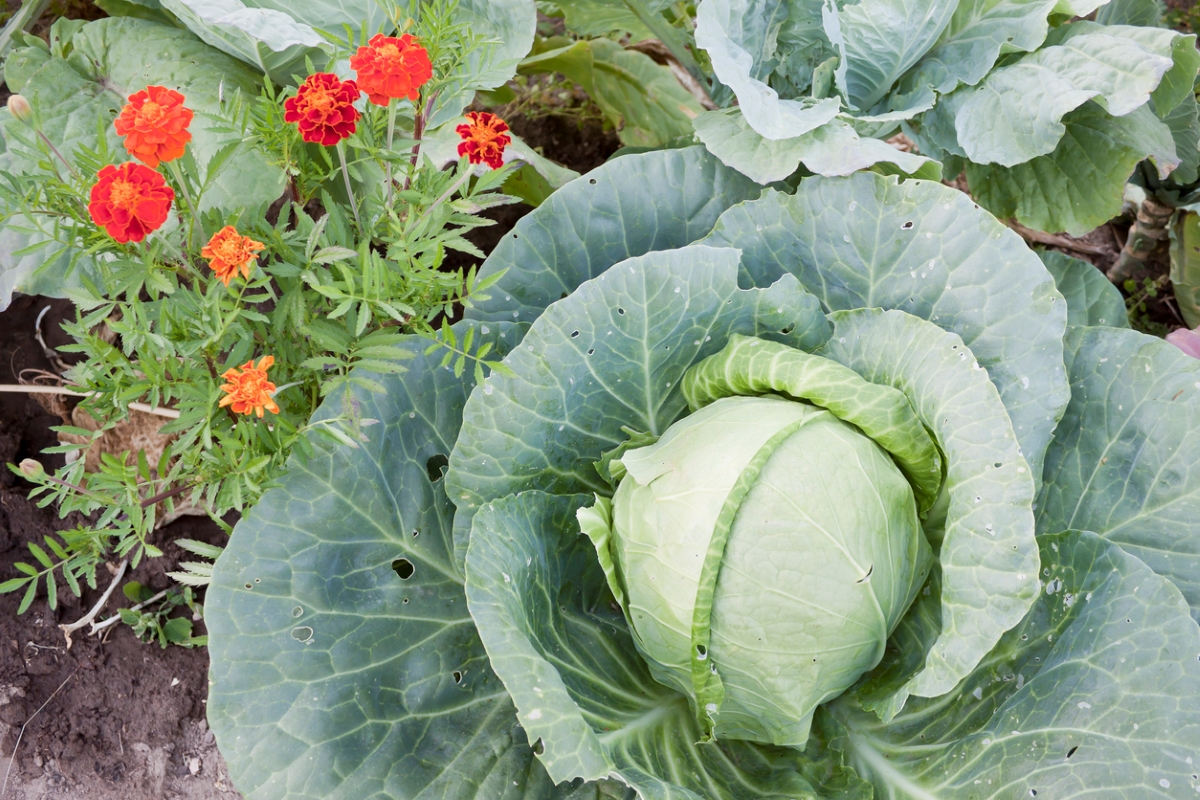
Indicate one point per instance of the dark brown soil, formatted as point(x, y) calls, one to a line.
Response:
point(118, 718)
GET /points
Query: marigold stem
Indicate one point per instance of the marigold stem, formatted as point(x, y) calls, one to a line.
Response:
point(341, 151)
point(388, 164)
point(187, 199)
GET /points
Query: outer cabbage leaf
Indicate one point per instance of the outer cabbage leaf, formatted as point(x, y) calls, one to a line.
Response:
point(739, 36)
point(869, 241)
point(591, 18)
point(344, 661)
point(75, 97)
point(565, 654)
point(1091, 695)
point(116, 57)
point(832, 149)
point(273, 41)
point(1125, 461)
point(627, 207)
point(1016, 113)
point(977, 33)
point(986, 554)
point(1091, 298)
point(608, 357)
point(644, 101)
point(509, 26)
point(1080, 185)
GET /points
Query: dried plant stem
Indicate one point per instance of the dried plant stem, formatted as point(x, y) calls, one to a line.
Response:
point(96, 609)
point(170, 413)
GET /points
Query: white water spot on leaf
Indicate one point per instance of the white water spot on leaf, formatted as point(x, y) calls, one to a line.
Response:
point(1084, 704)
point(978, 693)
point(535, 714)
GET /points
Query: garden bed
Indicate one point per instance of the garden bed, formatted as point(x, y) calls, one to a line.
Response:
point(128, 722)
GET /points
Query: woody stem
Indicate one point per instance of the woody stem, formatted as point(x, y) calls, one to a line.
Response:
point(418, 131)
point(341, 150)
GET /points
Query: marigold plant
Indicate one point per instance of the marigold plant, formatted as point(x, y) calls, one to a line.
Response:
point(130, 201)
point(228, 252)
point(247, 390)
point(484, 137)
point(323, 108)
point(391, 68)
point(155, 125)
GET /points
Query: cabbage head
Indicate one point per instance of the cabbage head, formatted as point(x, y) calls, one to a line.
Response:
point(833, 492)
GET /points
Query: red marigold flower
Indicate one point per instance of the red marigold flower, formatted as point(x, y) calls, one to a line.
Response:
point(248, 390)
point(130, 201)
point(484, 138)
point(390, 68)
point(228, 251)
point(154, 124)
point(323, 108)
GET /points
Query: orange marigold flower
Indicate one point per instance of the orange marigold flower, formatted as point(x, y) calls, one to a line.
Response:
point(323, 108)
point(484, 138)
point(228, 251)
point(390, 68)
point(248, 390)
point(130, 201)
point(154, 123)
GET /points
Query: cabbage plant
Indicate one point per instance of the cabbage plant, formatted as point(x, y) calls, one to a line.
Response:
point(1048, 115)
point(831, 493)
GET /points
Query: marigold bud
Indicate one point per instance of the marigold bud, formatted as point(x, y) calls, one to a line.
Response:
point(19, 107)
point(31, 468)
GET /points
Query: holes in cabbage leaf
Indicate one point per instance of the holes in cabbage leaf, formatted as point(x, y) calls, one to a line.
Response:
point(620, 311)
point(538, 747)
point(435, 465)
point(574, 334)
point(592, 181)
point(591, 351)
point(1071, 752)
point(303, 634)
point(404, 568)
point(870, 569)
point(457, 676)
point(701, 652)
point(908, 226)
point(791, 326)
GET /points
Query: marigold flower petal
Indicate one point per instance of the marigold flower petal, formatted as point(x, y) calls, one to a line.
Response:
point(155, 125)
point(484, 138)
point(228, 252)
point(323, 108)
point(130, 201)
point(391, 68)
point(247, 388)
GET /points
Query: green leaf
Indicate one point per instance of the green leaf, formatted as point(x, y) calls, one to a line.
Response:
point(605, 217)
point(273, 40)
point(46, 271)
point(1089, 695)
point(611, 356)
point(366, 623)
point(986, 551)
point(564, 652)
point(589, 18)
point(740, 38)
point(122, 56)
point(1081, 184)
point(1125, 461)
point(199, 548)
point(1016, 113)
point(868, 241)
point(832, 149)
point(27, 599)
point(882, 39)
point(1185, 265)
point(1091, 298)
point(509, 27)
point(971, 43)
point(643, 100)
